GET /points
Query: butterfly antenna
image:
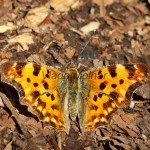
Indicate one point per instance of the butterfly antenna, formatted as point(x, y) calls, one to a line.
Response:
point(85, 45)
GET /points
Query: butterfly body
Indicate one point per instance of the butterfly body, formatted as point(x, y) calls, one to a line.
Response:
point(72, 90)
point(58, 97)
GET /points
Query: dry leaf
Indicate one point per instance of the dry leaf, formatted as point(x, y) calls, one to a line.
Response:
point(59, 37)
point(135, 44)
point(63, 6)
point(114, 34)
point(124, 126)
point(70, 52)
point(147, 19)
point(8, 26)
point(8, 146)
point(106, 3)
point(125, 2)
point(37, 58)
point(6, 120)
point(119, 144)
point(1, 102)
point(143, 31)
point(97, 63)
point(91, 26)
point(24, 40)
point(144, 90)
point(142, 7)
point(35, 16)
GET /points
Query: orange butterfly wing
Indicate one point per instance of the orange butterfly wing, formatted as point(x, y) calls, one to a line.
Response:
point(103, 90)
point(40, 88)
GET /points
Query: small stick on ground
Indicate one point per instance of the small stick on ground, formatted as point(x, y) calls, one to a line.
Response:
point(102, 8)
point(54, 143)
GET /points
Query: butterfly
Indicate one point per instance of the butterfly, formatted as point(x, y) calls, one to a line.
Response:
point(58, 97)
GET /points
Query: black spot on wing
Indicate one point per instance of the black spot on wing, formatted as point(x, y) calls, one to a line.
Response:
point(100, 76)
point(46, 85)
point(108, 104)
point(55, 117)
point(99, 72)
point(36, 94)
point(39, 100)
point(102, 86)
point(47, 76)
point(40, 115)
point(54, 107)
point(48, 94)
point(52, 124)
point(101, 115)
point(89, 127)
point(28, 80)
point(47, 115)
point(95, 98)
point(35, 84)
point(37, 69)
point(114, 86)
point(40, 103)
point(121, 81)
point(131, 70)
point(97, 124)
point(19, 67)
point(93, 117)
point(112, 71)
point(100, 95)
point(114, 95)
point(52, 97)
point(93, 107)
